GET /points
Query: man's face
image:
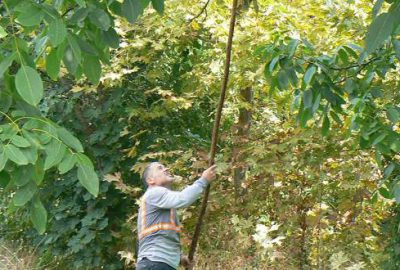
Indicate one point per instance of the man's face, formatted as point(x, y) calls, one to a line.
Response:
point(159, 175)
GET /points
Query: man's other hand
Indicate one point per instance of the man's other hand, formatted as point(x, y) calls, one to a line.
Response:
point(210, 173)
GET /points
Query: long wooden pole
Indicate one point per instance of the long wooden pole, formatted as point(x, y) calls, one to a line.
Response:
point(215, 129)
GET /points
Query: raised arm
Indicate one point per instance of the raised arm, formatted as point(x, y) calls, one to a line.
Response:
point(164, 198)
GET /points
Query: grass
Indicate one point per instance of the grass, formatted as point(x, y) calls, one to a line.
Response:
point(16, 258)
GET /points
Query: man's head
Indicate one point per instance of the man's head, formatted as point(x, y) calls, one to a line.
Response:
point(156, 174)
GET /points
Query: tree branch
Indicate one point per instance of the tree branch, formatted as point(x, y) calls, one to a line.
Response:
point(204, 9)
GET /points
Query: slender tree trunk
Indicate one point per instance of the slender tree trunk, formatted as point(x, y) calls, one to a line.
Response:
point(302, 210)
point(241, 136)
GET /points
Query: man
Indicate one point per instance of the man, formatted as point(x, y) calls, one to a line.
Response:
point(158, 223)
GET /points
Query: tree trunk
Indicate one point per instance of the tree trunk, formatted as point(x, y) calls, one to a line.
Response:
point(241, 136)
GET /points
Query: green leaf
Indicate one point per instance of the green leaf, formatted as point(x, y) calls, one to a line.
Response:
point(343, 55)
point(53, 63)
point(283, 79)
point(379, 139)
point(20, 141)
point(100, 18)
point(69, 139)
point(3, 33)
point(111, 38)
point(57, 32)
point(79, 15)
point(4, 179)
point(24, 194)
point(316, 103)
point(23, 175)
point(396, 46)
point(70, 62)
point(325, 126)
point(84, 160)
point(55, 151)
point(86, 174)
point(158, 5)
point(304, 116)
point(86, 47)
point(3, 160)
point(67, 163)
point(6, 63)
point(31, 154)
point(388, 170)
point(292, 47)
point(395, 145)
point(38, 215)
point(5, 101)
point(396, 192)
point(309, 74)
point(92, 68)
point(385, 193)
point(14, 154)
point(351, 51)
point(272, 64)
point(29, 85)
point(379, 31)
point(132, 9)
point(39, 172)
point(31, 15)
point(76, 50)
point(307, 98)
point(393, 114)
point(88, 178)
point(81, 3)
point(335, 117)
point(291, 72)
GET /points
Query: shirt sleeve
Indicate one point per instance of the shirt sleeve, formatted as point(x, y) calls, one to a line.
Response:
point(162, 197)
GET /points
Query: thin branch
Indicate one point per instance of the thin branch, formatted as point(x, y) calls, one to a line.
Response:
point(67, 11)
point(355, 65)
point(204, 9)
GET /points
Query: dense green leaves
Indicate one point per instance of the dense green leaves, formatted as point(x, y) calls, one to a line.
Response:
point(75, 35)
point(29, 85)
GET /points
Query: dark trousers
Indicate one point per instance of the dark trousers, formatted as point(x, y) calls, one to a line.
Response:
point(146, 264)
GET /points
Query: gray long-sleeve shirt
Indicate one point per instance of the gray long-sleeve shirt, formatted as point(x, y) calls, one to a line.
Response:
point(158, 223)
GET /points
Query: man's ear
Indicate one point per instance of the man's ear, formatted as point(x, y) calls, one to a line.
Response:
point(150, 181)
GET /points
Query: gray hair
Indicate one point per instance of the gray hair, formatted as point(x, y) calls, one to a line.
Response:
point(147, 173)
